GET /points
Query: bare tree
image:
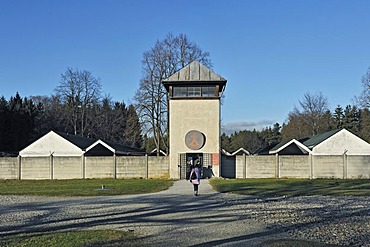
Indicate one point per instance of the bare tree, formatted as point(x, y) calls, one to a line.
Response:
point(313, 118)
point(165, 58)
point(78, 91)
point(314, 106)
point(110, 120)
point(363, 100)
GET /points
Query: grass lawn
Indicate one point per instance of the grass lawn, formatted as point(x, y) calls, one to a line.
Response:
point(83, 187)
point(70, 239)
point(293, 187)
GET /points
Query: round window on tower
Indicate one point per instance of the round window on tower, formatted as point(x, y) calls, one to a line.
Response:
point(195, 140)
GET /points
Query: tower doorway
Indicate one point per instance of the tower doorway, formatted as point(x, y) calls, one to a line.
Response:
point(185, 163)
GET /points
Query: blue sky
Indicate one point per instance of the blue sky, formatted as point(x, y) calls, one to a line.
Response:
point(271, 52)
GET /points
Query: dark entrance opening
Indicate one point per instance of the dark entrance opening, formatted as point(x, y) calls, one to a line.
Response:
point(205, 164)
point(191, 157)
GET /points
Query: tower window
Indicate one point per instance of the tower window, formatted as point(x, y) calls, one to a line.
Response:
point(180, 92)
point(194, 91)
point(208, 91)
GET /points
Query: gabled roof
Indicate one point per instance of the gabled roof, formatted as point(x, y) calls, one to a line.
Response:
point(88, 144)
point(317, 139)
point(195, 71)
point(339, 142)
point(332, 142)
point(100, 142)
point(265, 150)
point(79, 141)
point(237, 152)
point(154, 152)
point(241, 151)
point(57, 144)
point(63, 144)
point(125, 150)
point(293, 144)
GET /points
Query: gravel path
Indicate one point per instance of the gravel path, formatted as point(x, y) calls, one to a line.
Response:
point(176, 216)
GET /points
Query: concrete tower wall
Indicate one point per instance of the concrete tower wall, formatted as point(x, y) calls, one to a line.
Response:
point(193, 114)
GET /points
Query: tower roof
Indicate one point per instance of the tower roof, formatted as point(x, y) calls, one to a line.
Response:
point(195, 71)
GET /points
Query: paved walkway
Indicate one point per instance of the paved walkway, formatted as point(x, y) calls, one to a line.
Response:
point(174, 217)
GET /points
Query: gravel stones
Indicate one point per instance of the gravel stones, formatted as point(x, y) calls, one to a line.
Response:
point(176, 215)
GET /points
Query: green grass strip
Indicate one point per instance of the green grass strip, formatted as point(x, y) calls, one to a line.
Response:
point(83, 187)
point(69, 239)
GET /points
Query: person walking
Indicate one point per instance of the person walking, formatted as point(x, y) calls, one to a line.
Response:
point(195, 175)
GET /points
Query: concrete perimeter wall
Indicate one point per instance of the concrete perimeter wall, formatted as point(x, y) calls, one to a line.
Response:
point(301, 166)
point(84, 167)
point(8, 167)
point(239, 166)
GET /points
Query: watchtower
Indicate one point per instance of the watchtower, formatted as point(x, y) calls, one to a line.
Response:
point(194, 115)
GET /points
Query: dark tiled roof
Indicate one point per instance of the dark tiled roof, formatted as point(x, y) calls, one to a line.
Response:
point(282, 143)
point(313, 141)
point(79, 141)
point(265, 150)
point(123, 149)
point(279, 145)
point(84, 143)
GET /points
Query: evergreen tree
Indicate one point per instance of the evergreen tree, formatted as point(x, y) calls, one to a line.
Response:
point(225, 142)
point(271, 135)
point(351, 120)
point(338, 116)
point(364, 124)
point(132, 131)
point(17, 123)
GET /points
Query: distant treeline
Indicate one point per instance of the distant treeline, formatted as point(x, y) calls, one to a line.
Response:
point(301, 124)
point(22, 120)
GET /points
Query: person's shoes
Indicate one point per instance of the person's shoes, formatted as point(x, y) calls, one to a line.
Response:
point(196, 193)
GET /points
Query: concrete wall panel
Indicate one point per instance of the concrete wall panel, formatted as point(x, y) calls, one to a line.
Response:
point(99, 167)
point(67, 167)
point(35, 168)
point(8, 168)
point(358, 166)
point(131, 167)
point(158, 167)
point(327, 166)
point(294, 166)
point(260, 166)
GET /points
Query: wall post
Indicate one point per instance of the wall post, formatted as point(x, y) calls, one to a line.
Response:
point(19, 167)
point(83, 167)
point(244, 166)
point(345, 163)
point(277, 167)
point(146, 166)
point(114, 166)
point(51, 166)
point(311, 166)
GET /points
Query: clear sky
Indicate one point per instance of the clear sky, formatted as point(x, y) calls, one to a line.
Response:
point(271, 52)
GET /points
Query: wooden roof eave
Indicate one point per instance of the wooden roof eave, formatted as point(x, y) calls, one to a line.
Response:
point(167, 84)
